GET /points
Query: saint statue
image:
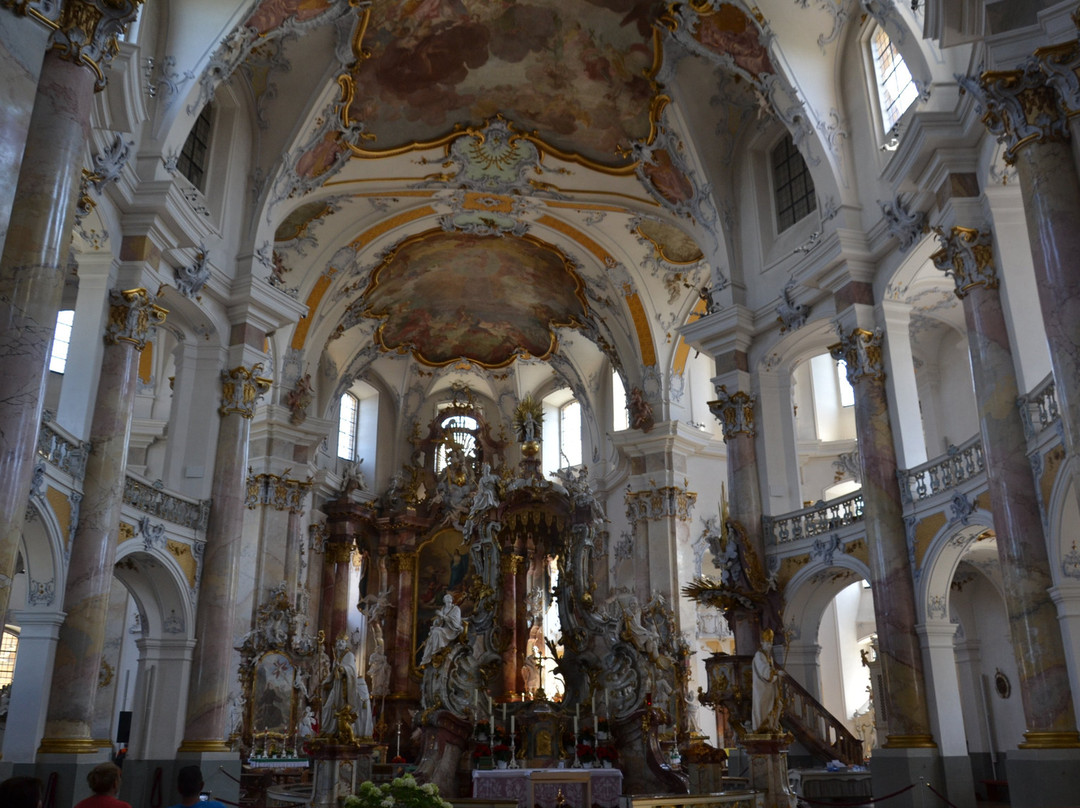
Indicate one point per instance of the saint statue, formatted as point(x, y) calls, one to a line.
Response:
point(766, 704)
point(340, 686)
point(365, 723)
point(446, 627)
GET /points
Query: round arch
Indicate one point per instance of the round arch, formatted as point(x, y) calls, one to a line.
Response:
point(944, 552)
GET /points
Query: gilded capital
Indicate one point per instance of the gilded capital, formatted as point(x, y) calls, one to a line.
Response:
point(861, 350)
point(86, 31)
point(1019, 106)
point(404, 561)
point(967, 255)
point(132, 317)
point(734, 411)
point(240, 387)
point(339, 552)
point(511, 563)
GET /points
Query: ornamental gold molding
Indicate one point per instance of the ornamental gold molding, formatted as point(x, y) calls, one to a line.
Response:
point(967, 255)
point(339, 552)
point(133, 316)
point(240, 387)
point(511, 563)
point(404, 561)
point(735, 412)
point(278, 491)
point(68, 746)
point(86, 31)
point(660, 502)
point(861, 350)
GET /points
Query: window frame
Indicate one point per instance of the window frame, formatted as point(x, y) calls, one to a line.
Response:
point(885, 116)
point(69, 327)
point(204, 120)
point(355, 426)
point(792, 153)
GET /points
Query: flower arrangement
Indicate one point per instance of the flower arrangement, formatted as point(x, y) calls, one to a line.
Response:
point(403, 792)
point(483, 728)
point(608, 753)
point(501, 751)
point(585, 753)
point(481, 750)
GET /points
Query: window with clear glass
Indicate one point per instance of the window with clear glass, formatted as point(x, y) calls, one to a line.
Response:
point(620, 415)
point(460, 433)
point(570, 434)
point(793, 187)
point(896, 88)
point(847, 392)
point(9, 648)
point(348, 421)
point(61, 341)
point(192, 160)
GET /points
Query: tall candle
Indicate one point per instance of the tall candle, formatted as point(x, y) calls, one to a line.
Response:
point(504, 711)
point(491, 708)
point(594, 702)
point(575, 725)
point(513, 723)
point(607, 703)
point(475, 696)
point(577, 710)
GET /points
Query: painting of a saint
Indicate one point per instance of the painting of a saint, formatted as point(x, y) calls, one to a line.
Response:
point(442, 568)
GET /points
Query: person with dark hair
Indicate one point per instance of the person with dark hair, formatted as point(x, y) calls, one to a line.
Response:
point(104, 781)
point(189, 782)
point(21, 792)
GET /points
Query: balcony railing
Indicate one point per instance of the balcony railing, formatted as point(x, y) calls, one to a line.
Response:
point(151, 499)
point(62, 451)
point(815, 520)
point(1039, 408)
point(943, 473)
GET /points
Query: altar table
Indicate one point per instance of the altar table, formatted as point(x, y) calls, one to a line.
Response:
point(581, 788)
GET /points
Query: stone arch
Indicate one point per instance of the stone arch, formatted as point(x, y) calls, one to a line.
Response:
point(943, 553)
point(1061, 517)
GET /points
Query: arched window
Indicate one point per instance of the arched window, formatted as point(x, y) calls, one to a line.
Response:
point(895, 86)
point(348, 426)
point(570, 434)
point(195, 155)
point(9, 647)
point(620, 415)
point(61, 341)
point(460, 431)
point(793, 187)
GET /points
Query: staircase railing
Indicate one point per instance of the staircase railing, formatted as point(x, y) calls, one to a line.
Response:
point(816, 728)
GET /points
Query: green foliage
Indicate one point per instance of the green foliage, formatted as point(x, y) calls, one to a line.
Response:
point(403, 792)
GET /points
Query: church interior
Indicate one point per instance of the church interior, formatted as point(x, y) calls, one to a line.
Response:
point(563, 403)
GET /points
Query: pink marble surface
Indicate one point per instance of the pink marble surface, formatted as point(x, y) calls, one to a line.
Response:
point(894, 592)
point(402, 649)
point(211, 666)
point(1025, 567)
point(93, 551)
point(32, 269)
point(1051, 191)
point(511, 665)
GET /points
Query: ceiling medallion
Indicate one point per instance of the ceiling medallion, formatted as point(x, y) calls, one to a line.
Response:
point(448, 297)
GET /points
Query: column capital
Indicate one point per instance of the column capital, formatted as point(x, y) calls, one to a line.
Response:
point(132, 317)
point(967, 255)
point(240, 387)
point(339, 552)
point(861, 350)
point(404, 561)
point(86, 31)
point(1019, 106)
point(735, 412)
point(511, 563)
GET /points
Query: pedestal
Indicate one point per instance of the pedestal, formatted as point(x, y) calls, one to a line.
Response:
point(336, 768)
point(1043, 778)
point(897, 768)
point(768, 767)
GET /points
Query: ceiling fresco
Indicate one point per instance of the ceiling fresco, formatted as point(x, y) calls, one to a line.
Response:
point(488, 299)
point(579, 74)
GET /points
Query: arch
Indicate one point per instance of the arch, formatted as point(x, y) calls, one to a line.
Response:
point(42, 546)
point(160, 590)
point(813, 587)
point(1060, 515)
point(934, 575)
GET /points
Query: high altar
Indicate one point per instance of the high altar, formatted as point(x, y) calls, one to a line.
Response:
point(485, 616)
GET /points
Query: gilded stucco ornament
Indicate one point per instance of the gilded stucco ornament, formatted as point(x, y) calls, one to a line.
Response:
point(132, 317)
point(906, 226)
point(240, 387)
point(86, 32)
point(735, 412)
point(861, 350)
point(967, 255)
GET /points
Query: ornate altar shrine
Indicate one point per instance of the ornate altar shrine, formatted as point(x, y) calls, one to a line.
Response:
point(489, 606)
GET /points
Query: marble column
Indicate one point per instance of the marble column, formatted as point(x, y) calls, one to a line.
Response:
point(132, 315)
point(903, 697)
point(212, 669)
point(334, 608)
point(510, 564)
point(1028, 109)
point(968, 256)
point(735, 412)
point(294, 537)
point(34, 261)
point(401, 652)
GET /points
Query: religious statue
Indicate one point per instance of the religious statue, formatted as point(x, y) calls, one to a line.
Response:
point(298, 399)
point(641, 412)
point(353, 477)
point(365, 724)
point(446, 627)
point(765, 703)
point(340, 687)
point(645, 638)
point(379, 668)
point(307, 723)
point(528, 420)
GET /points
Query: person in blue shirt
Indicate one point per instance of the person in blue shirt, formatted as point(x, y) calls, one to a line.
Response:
point(189, 782)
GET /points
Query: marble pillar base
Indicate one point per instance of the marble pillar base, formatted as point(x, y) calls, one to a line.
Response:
point(768, 767)
point(1043, 778)
point(959, 780)
point(894, 769)
point(336, 773)
point(220, 771)
point(71, 770)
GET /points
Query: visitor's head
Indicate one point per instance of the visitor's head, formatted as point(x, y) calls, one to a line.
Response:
point(189, 781)
point(104, 778)
point(21, 792)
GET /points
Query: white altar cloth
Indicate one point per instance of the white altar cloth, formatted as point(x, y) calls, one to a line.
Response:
point(530, 787)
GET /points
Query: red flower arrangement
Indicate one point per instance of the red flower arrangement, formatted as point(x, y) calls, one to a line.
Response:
point(481, 750)
point(585, 753)
point(501, 752)
point(607, 753)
